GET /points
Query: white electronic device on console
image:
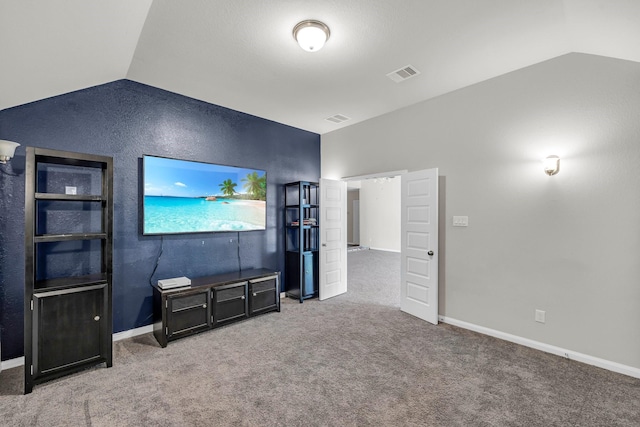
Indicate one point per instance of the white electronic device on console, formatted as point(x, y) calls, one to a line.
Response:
point(176, 282)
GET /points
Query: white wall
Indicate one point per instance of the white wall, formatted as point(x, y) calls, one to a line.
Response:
point(380, 214)
point(567, 244)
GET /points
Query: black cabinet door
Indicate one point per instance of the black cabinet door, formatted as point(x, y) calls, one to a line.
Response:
point(263, 295)
point(230, 303)
point(70, 328)
point(187, 313)
point(310, 265)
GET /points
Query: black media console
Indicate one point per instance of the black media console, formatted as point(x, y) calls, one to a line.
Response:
point(213, 301)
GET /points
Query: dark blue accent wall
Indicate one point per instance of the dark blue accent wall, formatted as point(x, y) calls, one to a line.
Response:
point(125, 120)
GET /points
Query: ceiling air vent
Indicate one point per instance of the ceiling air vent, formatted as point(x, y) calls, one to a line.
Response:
point(338, 118)
point(403, 74)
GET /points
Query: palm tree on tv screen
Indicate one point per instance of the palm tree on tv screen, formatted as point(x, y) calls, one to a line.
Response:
point(228, 187)
point(256, 185)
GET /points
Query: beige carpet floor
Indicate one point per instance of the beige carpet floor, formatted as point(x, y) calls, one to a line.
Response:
point(354, 360)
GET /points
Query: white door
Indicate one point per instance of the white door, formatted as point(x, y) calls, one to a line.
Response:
point(333, 238)
point(419, 245)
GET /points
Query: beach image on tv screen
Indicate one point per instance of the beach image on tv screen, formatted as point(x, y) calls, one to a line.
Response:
point(182, 196)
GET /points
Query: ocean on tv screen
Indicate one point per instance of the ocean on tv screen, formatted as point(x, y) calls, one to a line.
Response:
point(204, 214)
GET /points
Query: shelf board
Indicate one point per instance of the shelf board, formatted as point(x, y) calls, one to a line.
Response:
point(68, 158)
point(306, 251)
point(67, 237)
point(70, 282)
point(295, 293)
point(69, 197)
point(302, 184)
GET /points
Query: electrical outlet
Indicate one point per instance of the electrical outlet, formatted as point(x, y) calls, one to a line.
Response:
point(540, 315)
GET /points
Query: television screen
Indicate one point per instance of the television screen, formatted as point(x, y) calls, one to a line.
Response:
point(181, 196)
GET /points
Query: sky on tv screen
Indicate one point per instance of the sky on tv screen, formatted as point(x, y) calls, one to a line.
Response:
point(182, 178)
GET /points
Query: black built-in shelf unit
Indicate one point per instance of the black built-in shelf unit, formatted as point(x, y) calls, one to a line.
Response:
point(68, 263)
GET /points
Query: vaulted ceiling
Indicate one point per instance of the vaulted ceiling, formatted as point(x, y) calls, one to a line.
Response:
point(241, 54)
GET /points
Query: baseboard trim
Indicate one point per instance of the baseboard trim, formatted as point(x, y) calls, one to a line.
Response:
point(397, 251)
point(12, 363)
point(547, 348)
point(19, 361)
point(132, 333)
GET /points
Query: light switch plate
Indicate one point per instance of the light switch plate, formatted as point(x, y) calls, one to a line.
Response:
point(70, 190)
point(460, 221)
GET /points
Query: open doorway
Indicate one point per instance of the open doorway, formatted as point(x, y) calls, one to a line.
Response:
point(373, 213)
point(373, 236)
point(419, 239)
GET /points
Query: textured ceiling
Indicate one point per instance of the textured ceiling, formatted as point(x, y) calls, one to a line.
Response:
point(241, 54)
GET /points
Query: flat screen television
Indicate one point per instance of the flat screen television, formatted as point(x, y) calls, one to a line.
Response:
point(183, 196)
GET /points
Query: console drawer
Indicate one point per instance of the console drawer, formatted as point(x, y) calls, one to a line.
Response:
point(190, 301)
point(266, 284)
point(187, 314)
point(237, 291)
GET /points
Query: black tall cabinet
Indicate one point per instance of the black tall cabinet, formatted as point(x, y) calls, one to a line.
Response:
point(301, 216)
point(68, 263)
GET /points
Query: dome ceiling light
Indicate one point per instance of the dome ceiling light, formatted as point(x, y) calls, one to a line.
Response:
point(311, 35)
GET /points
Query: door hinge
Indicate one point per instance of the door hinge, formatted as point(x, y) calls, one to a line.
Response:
point(166, 330)
point(31, 305)
point(31, 369)
point(166, 304)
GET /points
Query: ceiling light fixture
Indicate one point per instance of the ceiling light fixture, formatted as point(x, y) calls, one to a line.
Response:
point(311, 35)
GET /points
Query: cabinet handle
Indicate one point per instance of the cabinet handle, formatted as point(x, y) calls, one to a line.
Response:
point(96, 318)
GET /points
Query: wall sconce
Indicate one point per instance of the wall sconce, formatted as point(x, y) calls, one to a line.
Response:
point(7, 150)
point(552, 165)
point(311, 35)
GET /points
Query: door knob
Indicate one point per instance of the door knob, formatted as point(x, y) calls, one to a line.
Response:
point(430, 253)
point(96, 318)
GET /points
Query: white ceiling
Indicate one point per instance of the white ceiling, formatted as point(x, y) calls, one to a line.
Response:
point(240, 53)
